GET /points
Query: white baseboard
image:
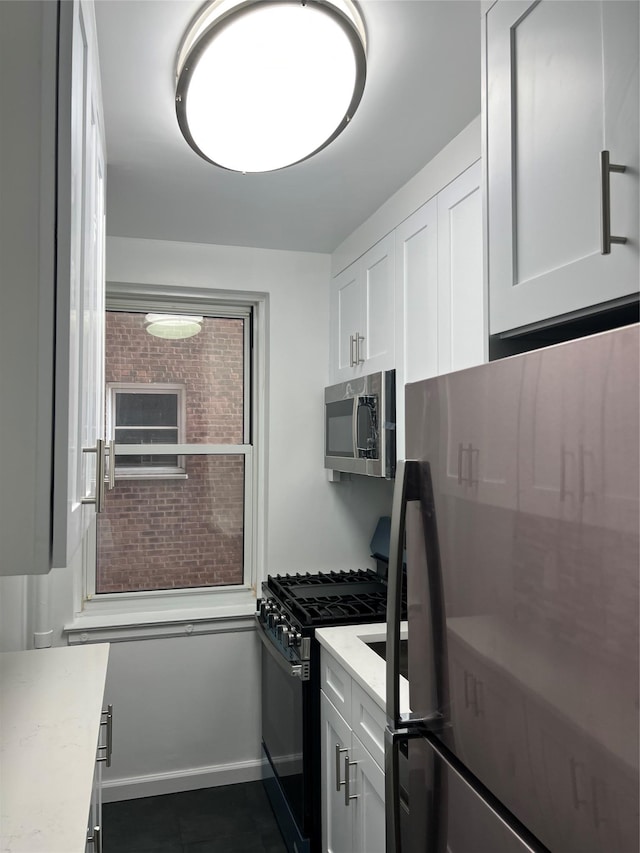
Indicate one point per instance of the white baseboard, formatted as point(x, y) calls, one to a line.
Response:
point(152, 785)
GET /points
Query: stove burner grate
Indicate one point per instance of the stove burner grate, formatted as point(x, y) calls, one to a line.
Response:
point(333, 598)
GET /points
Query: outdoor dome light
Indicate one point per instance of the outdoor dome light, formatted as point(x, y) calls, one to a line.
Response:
point(264, 84)
point(172, 326)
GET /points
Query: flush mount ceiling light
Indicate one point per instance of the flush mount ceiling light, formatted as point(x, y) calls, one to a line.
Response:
point(267, 83)
point(172, 326)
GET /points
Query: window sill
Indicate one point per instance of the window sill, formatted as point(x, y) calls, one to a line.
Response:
point(116, 626)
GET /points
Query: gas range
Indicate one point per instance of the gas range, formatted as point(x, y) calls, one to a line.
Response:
point(292, 606)
point(290, 609)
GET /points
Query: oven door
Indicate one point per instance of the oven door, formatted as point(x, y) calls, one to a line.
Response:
point(285, 704)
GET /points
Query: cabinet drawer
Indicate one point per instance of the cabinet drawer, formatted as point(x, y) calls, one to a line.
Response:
point(335, 681)
point(368, 722)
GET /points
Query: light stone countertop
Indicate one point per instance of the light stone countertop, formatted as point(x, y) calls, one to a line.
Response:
point(50, 711)
point(348, 645)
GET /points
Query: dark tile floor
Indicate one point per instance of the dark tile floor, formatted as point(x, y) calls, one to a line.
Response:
point(230, 819)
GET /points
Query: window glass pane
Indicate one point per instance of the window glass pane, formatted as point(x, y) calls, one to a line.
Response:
point(146, 436)
point(209, 366)
point(146, 409)
point(146, 461)
point(174, 534)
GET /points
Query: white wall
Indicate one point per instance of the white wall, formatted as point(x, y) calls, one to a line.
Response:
point(188, 708)
point(311, 524)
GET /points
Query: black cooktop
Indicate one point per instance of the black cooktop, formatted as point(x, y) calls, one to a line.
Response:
point(332, 598)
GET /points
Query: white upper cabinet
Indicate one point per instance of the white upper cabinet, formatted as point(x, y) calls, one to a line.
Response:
point(52, 197)
point(461, 298)
point(362, 304)
point(440, 299)
point(561, 88)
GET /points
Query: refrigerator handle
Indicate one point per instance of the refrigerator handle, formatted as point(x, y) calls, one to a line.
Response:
point(392, 740)
point(405, 489)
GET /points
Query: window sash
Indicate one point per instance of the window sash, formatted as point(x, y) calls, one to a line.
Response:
point(253, 309)
point(193, 594)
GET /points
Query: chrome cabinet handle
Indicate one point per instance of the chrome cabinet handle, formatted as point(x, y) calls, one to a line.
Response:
point(606, 167)
point(111, 450)
point(563, 473)
point(339, 751)
point(467, 678)
point(96, 839)
point(460, 454)
point(352, 351)
point(583, 493)
point(348, 796)
point(479, 694)
point(108, 747)
point(359, 359)
point(577, 801)
point(99, 450)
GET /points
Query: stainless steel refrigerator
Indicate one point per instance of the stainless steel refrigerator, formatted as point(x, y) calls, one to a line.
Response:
point(520, 504)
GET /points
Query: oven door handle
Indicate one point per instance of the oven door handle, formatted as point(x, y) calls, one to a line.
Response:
point(297, 670)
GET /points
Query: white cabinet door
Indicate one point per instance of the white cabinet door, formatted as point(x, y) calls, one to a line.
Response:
point(461, 301)
point(440, 300)
point(378, 272)
point(367, 786)
point(80, 316)
point(362, 312)
point(337, 821)
point(51, 245)
point(562, 86)
point(416, 305)
point(346, 321)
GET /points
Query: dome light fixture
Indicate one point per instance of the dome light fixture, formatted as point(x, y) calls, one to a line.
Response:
point(264, 84)
point(173, 327)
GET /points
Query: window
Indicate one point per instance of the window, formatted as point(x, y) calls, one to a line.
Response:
point(146, 414)
point(178, 521)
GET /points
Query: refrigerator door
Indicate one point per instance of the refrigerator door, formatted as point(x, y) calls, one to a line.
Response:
point(527, 648)
point(443, 813)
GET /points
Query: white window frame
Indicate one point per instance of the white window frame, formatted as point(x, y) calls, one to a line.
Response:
point(156, 472)
point(148, 614)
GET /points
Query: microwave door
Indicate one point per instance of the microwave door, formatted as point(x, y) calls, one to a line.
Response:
point(340, 428)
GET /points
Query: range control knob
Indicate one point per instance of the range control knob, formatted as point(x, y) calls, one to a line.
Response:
point(274, 619)
point(295, 637)
point(282, 628)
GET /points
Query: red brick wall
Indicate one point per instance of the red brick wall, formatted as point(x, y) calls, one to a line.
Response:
point(165, 534)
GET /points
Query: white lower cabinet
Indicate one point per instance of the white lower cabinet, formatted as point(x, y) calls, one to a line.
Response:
point(353, 811)
point(105, 747)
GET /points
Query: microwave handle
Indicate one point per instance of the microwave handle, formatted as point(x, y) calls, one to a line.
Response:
point(365, 399)
point(354, 426)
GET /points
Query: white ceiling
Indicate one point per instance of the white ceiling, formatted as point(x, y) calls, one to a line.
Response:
point(423, 87)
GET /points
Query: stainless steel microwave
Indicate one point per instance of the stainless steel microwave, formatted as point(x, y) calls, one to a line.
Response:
point(360, 425)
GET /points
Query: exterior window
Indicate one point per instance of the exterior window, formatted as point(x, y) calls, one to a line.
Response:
point(146, 414)
point(178, 520)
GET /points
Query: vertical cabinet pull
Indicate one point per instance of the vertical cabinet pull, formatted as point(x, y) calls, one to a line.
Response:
point(111, 478)
point(96, 839)
point(100, 451)
point(105, 475)
point(339, 751)
point(576, 767)
point(354, 350)
point(108, 747)
point(348, 796)
point(606, 167)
